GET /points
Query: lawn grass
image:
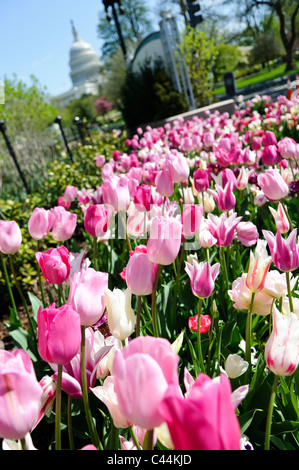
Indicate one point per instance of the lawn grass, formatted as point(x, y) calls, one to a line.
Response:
point(259, 77)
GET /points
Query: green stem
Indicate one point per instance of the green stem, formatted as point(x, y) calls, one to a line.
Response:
point(148, 440)
point(40, 278)
point(69, 423)
point(134, 438)
point(154, 297)
point(61, 292)
point(93, 433)
point(289, 291)
point(177, 284)
point(58, 409)
point(114, 437)
point(224, 266)
point(138, 315)
point(248, 333)
point(23, 444)
point(8, 284)
point(95, 253)
point(23, 300)
point(270, 412)
point(199, 352)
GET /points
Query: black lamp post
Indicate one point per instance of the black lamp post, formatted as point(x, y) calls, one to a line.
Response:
point(79, 125)
point(13, 155)
point(58, 121)
point(111, 3)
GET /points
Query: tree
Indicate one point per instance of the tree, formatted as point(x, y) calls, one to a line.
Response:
point(226, 60)
point(267, 47)
point(200, 53)
point(286, 12)
point(134, 23)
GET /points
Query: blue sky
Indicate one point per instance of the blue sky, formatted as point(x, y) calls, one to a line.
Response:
point(36, 36)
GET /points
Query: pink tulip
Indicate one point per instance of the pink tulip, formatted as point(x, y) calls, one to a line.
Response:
point(86, 294)
point(63, 224)
point(191, 218)
point(70, 193)
point(142, 373)
point(205, 419)
point(257, 143)
point(201, 180)
point(282, 347)
point(273, 185)
point(20, 394)
point(40, 223)
point(95, 350)
point(224, 197)
point(247, 233)
point(223, 228)
point(164, 241)
point(100, 160)
point(288, 148)
point(116, 193)
point(59, 333)
point(63, 203)
point(140, 274)
point(241, 295)
point(284, 252)
point(202, 277)
point(179, 168)
point(164, 183)
point(54, 264)
point(96, 220)
point(10, 237)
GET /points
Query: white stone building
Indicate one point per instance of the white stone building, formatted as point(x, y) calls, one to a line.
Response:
point(84, 71)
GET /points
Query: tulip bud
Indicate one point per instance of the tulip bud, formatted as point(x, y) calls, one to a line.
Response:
point(164, 183)
point(202, 277)
point(121, 318)
point(273, 185)
point(258, 267)
point(10, 237)
point(282, 347)
point(40, 223)
point(165, 240)
point(235, 366)
point(54, 264)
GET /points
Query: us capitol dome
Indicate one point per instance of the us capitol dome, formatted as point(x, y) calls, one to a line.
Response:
point(85, 71)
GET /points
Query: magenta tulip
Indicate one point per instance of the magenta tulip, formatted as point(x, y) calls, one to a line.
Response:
point(96, 220)
point(205, 419)
point(10, 237)
point(224, 197)
point(270, 155)
point(20, 394)
point(86, 294)
point(284, 252)
point(201, 180)
point(223, 228)
point(269, 138)
point(40, 223)
point(202, 277)
point(142, 372)
point(55, 264)
point(59, 333)
point(164, 241)
point(143, 197)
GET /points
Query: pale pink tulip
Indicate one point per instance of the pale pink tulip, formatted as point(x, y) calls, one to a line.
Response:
point(10, 237)
point(164, 241)
point(40, 223)
point(86, 294)
point(273, 185)
point(20, 396)
point(241, 296)
point(63, 224)
point(143, 371)
point(280, 218)
point(259, 265)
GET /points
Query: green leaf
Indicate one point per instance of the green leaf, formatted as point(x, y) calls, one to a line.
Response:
point(35, 304)
point(246, 419)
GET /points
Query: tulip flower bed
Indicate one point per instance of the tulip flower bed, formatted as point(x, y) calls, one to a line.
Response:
point(175, 325)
